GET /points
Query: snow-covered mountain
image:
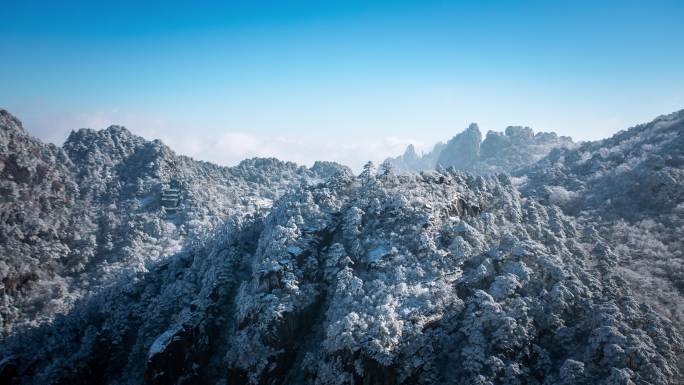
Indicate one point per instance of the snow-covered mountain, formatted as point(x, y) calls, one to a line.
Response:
point(272, 273)
point(498, 152)
point(631, 188)
point(440, 277)
point(75, 217)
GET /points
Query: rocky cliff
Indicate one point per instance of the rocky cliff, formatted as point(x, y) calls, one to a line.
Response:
point(498, 152)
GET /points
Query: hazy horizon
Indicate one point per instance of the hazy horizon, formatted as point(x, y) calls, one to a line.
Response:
point(346, 82)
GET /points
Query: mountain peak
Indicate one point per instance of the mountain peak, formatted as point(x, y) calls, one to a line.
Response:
point(463, 149)
point(520, 132)
point(113, 132)
point(111, 136)
point(504, 151)
point(410, 152)
point(338, 278)
point(118, 131)
point(9, 121)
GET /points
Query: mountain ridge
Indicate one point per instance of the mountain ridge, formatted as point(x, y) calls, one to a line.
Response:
point(94, 204)
point(499, 152)
point(274, 273)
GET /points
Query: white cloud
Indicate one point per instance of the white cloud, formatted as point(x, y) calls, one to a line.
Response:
point(227, 147)
point(231, 147)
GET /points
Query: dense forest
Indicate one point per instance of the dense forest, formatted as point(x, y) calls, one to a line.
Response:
point(522, 258)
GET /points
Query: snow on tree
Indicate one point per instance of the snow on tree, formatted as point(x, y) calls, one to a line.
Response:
point(274, 273)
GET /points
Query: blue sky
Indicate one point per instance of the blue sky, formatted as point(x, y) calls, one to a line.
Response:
point(346, 81)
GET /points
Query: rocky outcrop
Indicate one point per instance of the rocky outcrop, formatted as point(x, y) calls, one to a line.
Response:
point(463, 150)
point(498, 152)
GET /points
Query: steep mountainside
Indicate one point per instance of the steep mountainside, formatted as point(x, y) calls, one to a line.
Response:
point(124, 263)
point(413, 279)
point(463, 150)
point(38, 213)
point(73, 218)
point(631, 187)
point(498, 152)
point(635, 173)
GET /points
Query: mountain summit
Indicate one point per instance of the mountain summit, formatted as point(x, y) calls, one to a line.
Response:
point(463, 150)
point(9, 122)
point(125, 263)
point(499, 152)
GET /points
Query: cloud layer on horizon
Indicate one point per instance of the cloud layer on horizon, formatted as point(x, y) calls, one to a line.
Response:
point(224, 147)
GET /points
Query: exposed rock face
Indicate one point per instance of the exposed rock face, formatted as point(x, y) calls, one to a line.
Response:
point(518, 147)
point(408, 160)
point(411, 161)
point(499, 152)
point(463, 150)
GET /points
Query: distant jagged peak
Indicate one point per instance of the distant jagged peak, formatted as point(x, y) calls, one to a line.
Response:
point(499, 151)
point(463, 150)
point(10, 122)
point(549, 136)
point(494, 134)
point(472, 133)
point(519, 132)
point(523, 135)
point(473, 127)
point(410, 153)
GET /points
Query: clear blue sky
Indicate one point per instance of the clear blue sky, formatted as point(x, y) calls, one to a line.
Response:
point(346, 81)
